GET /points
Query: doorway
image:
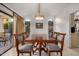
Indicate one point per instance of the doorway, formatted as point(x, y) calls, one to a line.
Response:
point(75, 30)
point(27, 27)
point(50, 28)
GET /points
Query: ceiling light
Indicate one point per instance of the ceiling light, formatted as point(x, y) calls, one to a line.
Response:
point(39, 17)
point(11, 19)
point(27, 20)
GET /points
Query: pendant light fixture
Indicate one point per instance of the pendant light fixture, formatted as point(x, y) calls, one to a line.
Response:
point(39, 17)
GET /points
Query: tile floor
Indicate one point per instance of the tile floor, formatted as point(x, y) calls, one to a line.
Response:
point(66, 52)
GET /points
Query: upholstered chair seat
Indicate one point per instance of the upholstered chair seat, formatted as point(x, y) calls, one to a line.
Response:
point(53, 47)
point(26, 48)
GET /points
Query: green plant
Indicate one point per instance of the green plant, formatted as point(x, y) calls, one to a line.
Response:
point(6, 26)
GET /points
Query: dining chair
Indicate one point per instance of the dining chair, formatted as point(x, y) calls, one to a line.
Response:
point(2, 38)
point(54, 37)
point(20, 47)
point(58, 47)
point(25, 34)
point(8, 37)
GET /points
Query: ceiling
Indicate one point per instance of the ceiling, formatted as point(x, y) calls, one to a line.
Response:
point(31, 9)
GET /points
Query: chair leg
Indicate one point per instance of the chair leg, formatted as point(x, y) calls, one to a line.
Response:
point(33, 51)
point(61, 53)
point(10, 40)
point(47, 50)
point(30, 53)
point(17, 53)
point(57, 53)
point(49, 53)
point(4, 43)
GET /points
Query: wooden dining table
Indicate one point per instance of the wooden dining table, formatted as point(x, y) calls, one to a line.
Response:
point(42, 40)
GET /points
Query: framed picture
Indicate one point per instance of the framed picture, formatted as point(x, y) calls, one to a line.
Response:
point(39, 25)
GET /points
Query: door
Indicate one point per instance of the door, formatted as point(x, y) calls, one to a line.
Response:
point(50, 28)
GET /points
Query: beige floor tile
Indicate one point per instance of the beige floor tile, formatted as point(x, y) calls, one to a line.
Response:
point(66, 52)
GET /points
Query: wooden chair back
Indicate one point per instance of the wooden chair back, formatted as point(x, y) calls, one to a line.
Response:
point(54, 35)
point(59, 43)
point(60, 39)
point(25, 35)
point(18, 40)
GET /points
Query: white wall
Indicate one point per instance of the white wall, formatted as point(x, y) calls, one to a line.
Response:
point(62, 22)
point(39, 31)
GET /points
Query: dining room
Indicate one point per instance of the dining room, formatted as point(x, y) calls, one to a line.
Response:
point(41, 29)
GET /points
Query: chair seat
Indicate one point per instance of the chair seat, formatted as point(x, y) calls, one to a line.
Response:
point(26, 48)
point(52, 38)
point(53, 47)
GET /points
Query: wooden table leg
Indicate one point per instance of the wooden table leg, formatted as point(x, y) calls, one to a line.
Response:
point(40, 48)
point(36, 47)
